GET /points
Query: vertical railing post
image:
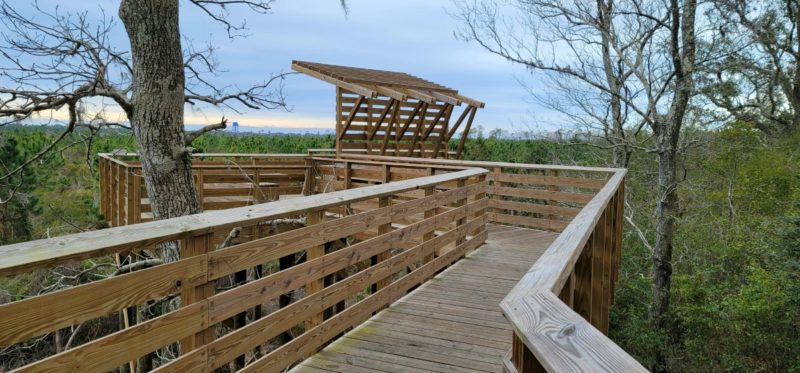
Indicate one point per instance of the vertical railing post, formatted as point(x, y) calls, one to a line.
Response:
point(582, 297)
point(309, 184)
point(462, 220)
point(200, 187)
point(523, 359)
point(496, 172)
point(386, 254)
point(314, 218)
point(550, 202)
point(598, 291)
point(190, 294)
point(429, 191)
point(121, 197)
point(479, 196)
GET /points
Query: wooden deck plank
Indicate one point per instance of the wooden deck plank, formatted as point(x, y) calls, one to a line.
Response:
point(451, 323)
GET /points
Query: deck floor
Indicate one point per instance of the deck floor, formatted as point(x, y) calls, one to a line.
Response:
point(452, 323)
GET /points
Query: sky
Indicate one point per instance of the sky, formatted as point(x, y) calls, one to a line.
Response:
point(412, 36)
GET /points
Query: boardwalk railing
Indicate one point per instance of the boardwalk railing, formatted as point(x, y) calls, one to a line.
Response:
point(560, 309)
point(374, 228)
point(222, 180)
point(409, 229)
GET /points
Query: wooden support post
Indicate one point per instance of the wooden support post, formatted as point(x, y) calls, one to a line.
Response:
point(598, 246)
point(312, 218)
point(567, 294)
point(607, 223)
point(348, 172)
point(551, 202)
point(418, 130)
point(393, 124)
point(466, 132)
point(429, 191)
point(190, 247)
point(309, 183)
point(387, 253)
point(523, 358)
point(136, 195)
point(339, 123)
point(130, 201)
point(496, 172)
point(461, 183)
point(122, 175)
point(477, 214)
point(582, 298)
point(200, 187)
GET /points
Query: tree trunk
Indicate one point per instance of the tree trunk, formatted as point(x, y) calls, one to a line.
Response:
point(157, 115)
point(666, 208)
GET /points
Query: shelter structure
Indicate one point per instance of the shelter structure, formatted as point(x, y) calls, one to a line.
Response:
point(382, 112)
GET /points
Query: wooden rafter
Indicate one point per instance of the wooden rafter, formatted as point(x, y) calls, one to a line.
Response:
point(418, 129)
point(393, 124)
point(350, 117)
point(384, 113)
point(399, 135)
point(465, 133)
point(394, 101)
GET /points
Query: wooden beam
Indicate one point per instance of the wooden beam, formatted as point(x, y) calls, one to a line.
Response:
point(446, 98)
point(458, 123)
point(466, 131)
point(443, 134)
point(470, 102)
point(436, 120)
point(420, 96)
point(385, 112)
point(410, 119)
point(393, 123)
point(391, 93)
point(417, 130)
point(359, 89)
point(350, 117)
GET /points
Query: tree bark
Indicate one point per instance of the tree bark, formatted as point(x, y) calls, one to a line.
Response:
point(667, 131)
point(157, 114)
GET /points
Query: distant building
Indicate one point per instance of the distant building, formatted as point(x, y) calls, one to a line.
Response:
point(236, 127)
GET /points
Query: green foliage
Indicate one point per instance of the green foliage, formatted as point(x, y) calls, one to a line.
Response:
point(735, 262)
point(736, 284)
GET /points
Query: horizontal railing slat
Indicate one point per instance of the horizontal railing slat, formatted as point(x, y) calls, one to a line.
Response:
point(28, 256)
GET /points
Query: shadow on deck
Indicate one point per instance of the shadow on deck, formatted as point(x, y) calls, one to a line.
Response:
point(451, 323)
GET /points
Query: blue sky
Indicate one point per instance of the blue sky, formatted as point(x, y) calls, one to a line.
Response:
point(413, 36)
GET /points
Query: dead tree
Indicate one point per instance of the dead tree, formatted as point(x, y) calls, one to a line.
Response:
point(637, 59)
point(54, 63)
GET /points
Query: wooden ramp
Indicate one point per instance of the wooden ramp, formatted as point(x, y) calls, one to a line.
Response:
point(450, 324)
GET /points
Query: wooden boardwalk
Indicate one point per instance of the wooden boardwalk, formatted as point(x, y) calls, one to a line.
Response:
point(450, 324)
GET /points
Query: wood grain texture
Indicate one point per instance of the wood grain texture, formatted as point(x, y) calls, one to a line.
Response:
point(27, 256)
point(562, 340)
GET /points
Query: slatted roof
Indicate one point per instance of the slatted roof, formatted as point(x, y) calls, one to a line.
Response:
point(388, 112)
point(372, 82)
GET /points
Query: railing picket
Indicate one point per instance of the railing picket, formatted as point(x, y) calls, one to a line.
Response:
point(190, 294)
point(313, 218)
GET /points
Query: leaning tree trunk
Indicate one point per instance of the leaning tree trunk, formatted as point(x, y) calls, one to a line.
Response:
point(158, 99)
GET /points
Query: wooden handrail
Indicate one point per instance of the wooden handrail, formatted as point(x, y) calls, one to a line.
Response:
point(558, 338)
point(28, 256)
point(444, 220)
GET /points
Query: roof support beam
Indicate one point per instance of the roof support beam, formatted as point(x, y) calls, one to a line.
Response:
point(466, 131)
point(446, 98)
point(443, 134)
point(359, 89)
point(410, 119)
point(350, 118)
point(385, 112)
point(421, 96)
point(445, 109)
point(458, 122)
point(393, 123)
point(418, 130)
